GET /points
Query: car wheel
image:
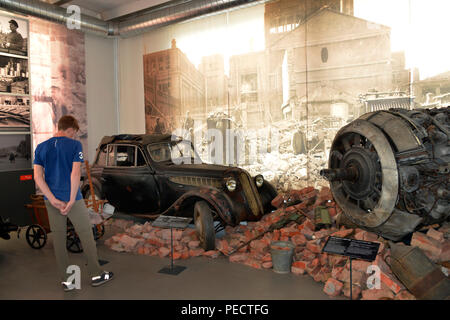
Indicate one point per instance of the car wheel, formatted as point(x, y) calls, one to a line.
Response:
point(205, 225)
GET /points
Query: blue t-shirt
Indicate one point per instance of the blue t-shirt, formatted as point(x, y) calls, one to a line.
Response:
point(57, 156)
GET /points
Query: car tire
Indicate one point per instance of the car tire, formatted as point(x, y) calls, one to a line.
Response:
point(204, 222)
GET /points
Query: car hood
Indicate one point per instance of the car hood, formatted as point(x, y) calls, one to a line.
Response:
point(204, 170)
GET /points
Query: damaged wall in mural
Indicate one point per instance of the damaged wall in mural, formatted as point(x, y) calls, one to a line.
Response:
point(58, 79)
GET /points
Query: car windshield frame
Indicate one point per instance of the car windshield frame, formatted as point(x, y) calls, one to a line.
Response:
point(171, 147)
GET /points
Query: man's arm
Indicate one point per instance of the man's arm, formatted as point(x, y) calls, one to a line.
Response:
point(74, 186)
point(40, 181)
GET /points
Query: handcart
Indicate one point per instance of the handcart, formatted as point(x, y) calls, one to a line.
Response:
point(36, 234)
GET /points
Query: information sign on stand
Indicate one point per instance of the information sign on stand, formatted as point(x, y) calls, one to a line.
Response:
point(354, 249)
point(171, 222)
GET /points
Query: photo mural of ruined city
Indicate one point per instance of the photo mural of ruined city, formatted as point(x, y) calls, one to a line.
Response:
point(58, 81)
point(285, 84)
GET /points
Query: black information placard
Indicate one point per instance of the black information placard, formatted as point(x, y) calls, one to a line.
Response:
point(356, 249)
point(171, 222)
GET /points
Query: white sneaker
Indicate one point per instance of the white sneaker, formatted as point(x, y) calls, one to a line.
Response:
point(101, 279)
point(68, 286)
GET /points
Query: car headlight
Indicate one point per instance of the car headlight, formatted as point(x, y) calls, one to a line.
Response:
point(259, 180)
point(231, 184)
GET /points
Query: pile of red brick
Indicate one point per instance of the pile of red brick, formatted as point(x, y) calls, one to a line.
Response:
point(332, 270)
point(147, 240)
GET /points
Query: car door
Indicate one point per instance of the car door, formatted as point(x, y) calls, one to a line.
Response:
point(128, 181)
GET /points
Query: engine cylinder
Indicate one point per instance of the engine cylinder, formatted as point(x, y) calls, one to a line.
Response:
point(389, 170)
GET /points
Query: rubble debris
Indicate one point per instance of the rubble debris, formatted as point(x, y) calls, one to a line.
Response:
point(308, 238)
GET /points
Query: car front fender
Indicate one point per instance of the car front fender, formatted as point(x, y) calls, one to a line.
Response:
point(221, 203)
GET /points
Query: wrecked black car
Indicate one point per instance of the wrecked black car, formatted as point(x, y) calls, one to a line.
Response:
point(160, 174)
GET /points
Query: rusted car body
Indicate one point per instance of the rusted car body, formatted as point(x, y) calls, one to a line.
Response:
point(150, 175)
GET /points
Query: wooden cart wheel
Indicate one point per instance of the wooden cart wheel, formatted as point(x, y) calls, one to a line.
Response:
point(99, 231)
point(36, 236)
point(73, 241)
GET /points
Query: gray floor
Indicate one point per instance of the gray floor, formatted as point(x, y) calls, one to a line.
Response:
point(26, 273)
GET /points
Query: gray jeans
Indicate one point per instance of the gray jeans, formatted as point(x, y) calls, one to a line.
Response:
point(79, 216)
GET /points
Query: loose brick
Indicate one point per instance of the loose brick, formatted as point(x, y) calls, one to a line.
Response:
point(267, 257)
point(357, 277)
point(333, 287)
point(176, 255)
point(259, 245)
point(313, 271)
point(238, 257)
point(178, 247)
point(391, 282)
point(323, 275)
point(278, 201)
point(128, 243)
point(359, 265)
point(276, 235)
point(193, 244)
point(336, 260)
point(321, 234)
point(267, 265)
point(117, 247)
point(196, 252)
point(405, 295)
point(211, 254)
point(314, 263)
point(299, 240)
point(185, 254)
point(300, 264)
point(163, 252)
point(253, 263)
point(323, 259)
point(223, 246)
point(356, 290)
point(299, 267)
point(308, 255)
point(336, 272)
point(436, 235)
point(308, 224)
point(186, 239)
point(343, 233)
point(289, 232)
point(307, 232)
point(313, 246)
point(377, 294)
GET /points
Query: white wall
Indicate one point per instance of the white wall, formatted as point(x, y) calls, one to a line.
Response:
point(131, 86)
point(101, 88)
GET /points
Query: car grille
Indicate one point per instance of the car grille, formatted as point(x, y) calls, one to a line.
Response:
point(251, 194)
point(198, 181)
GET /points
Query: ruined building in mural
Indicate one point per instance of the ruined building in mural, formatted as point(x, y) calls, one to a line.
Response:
point(306, 83)
point(173, 86)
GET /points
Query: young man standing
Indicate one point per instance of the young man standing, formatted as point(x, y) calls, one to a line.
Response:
point(57, 171)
